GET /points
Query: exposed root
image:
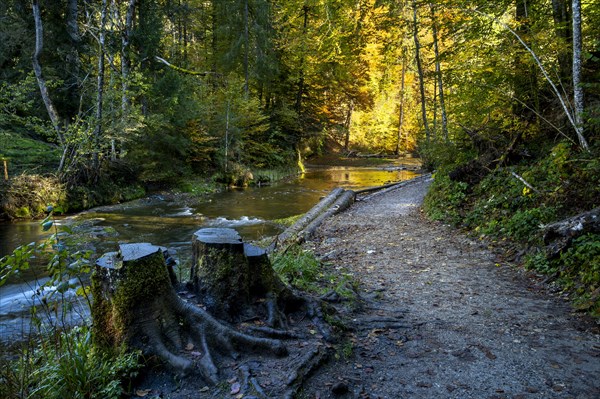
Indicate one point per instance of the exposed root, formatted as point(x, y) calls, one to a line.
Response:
point(307, 364)
point(182, 326)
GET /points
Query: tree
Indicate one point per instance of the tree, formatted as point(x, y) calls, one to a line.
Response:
point(438, 72)
point(420, 70)
point(577, 88)
point(37, 68)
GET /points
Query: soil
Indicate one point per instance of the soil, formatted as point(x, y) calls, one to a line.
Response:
point(437, 315)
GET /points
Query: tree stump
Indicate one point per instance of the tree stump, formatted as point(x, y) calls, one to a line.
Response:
point(135, 304)
point(219, 272)
point(230, 277)
point(235, 281)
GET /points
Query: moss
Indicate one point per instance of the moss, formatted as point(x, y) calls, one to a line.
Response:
point(137, 286)
point(289, 221)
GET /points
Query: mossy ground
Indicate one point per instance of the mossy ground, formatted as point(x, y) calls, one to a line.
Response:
point(27, 155)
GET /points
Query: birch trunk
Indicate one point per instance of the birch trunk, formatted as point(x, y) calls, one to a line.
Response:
point(37, 69)
point(577, 88)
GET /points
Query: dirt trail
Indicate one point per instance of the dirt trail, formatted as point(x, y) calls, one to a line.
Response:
point(443, 316)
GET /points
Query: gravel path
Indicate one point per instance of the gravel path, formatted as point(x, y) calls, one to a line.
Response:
point(443, 316)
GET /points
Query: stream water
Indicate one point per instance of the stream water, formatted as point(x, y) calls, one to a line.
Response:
point(170, 220)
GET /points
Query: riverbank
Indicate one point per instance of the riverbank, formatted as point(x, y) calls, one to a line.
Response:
point(442, 315)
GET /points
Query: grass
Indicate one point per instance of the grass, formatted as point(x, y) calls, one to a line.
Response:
point(300, 268)
point(24, 154)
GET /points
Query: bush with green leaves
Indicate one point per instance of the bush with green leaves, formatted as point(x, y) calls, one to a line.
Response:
point(579, 270)
point(445, 199)
point(68, 365)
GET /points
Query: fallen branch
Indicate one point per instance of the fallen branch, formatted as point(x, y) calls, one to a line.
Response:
point(183, 70)
point(529, 186)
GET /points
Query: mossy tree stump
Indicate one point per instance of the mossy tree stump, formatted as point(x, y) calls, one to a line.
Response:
point(229, 276)
point(235, 281)
point(136, 304)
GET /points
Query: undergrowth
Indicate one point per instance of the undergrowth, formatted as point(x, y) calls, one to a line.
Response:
point(55, 357)
point(561, 183)
point(302, 269)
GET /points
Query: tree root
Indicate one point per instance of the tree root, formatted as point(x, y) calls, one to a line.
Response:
point(181, 326)
point(310, 362)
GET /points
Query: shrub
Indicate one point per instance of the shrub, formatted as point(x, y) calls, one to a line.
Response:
point(580, 271)
point(445, 199)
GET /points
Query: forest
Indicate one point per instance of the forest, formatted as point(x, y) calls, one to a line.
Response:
point(148, 92)
point(102, 101)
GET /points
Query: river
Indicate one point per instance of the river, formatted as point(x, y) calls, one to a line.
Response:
point(170, 220)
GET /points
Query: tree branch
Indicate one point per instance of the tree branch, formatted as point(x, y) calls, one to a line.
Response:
point(183, 70)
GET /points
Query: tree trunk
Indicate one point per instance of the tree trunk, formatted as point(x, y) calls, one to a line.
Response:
point(37, 68)
point(420, 70)
point(562, 27)
point(577, 87)
point(135, 303)
point(100, 88)
point(301, 88)
point(438, 73)
point(347, 123)
point(401, 105)
point(125, 56)
point(525, 77)
point(246, 49)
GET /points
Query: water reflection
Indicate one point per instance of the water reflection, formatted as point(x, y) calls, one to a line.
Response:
point(170, 221)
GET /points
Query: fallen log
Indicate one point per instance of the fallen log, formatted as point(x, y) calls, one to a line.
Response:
point(136, 305)
point(341, 204)
point(290, 234)
point(392, 186)
point(559, 235)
